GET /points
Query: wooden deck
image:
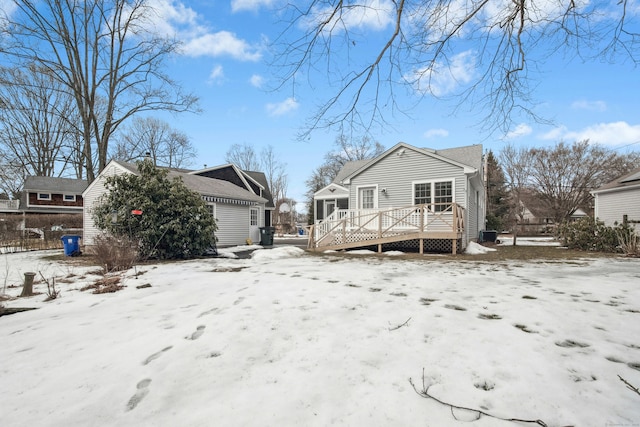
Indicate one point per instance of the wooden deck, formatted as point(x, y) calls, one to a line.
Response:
point(353, 228)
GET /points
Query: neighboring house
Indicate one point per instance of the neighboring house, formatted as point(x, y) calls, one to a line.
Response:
point(619, 200)
point(47, 195)
point(239, 213)
point(255, 182)
point(407, 196)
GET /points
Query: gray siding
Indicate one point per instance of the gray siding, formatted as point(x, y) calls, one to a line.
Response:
point(396, 174)
point(91, 197)
point(233, 224)
point(611, 206)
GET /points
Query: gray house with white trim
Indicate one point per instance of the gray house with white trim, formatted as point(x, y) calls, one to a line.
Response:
point(421, 194)
point(239, 212)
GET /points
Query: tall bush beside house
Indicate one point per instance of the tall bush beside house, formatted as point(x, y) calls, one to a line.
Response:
point(175, 222)
point(589, 234)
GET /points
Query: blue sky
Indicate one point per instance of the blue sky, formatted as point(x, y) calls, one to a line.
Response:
point(226, 57)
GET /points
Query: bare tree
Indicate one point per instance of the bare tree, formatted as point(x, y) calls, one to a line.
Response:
point(243, 156)
point(12, 176)
point(150, 136)
point(35, 120)
point(105, 56)
point(564, 175)
point(432, 46)
point(516, 164)
point(274, 170)
point(347, 150)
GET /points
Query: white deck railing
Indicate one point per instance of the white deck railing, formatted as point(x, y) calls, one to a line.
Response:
point(352, 225)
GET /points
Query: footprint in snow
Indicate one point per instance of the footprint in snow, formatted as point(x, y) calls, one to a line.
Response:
point(155, 355)
point(197, 334)
point(143, 390)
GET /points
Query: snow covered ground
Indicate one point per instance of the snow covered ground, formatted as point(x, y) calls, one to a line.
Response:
point(291, 339)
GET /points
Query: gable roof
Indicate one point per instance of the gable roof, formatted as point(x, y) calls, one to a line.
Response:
point(253, 181)
point(630, 180)
point(204, 185)
point(452, 156)
point(54, 185)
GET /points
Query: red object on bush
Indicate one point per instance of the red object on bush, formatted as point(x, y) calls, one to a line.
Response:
point(136, 212)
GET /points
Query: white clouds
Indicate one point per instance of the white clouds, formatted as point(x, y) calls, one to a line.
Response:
point(432, 133)
point(250, 5)
point(443, 79)
point(256, 80)
point(222, 43)
point(589, 105)
point(614, 133)
point(522, 129)
point(174, 19)
point(370, 14)
point(217, 74)
point(282, 108)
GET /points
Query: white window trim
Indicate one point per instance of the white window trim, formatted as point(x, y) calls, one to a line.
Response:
point(257, 211)
point(64, 197)
point(48, 198)
point(375, 195)
point(433, 189)
point(215, 210)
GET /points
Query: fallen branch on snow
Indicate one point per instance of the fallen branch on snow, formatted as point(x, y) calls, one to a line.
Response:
point(629, 386)
point(400, 326)
point(425, 393)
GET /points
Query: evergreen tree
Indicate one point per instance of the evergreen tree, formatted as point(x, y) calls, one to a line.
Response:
point(497, 199)
point(175, 221)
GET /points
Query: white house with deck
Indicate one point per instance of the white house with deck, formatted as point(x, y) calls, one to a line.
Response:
point(407, 197)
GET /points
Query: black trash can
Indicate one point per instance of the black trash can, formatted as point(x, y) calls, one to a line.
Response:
point(488, 236)
point(266, 235)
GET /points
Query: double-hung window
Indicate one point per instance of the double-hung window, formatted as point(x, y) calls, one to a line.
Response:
point(437, 194)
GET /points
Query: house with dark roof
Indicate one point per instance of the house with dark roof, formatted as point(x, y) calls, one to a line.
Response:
point(407, 197)
point(619, 200)
point(239, 212)
point(253, 181)
point(49, 195)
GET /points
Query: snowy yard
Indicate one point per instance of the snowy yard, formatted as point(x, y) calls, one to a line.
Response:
point(292, 339)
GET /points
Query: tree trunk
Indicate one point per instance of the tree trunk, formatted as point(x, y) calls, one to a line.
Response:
point(27, 288)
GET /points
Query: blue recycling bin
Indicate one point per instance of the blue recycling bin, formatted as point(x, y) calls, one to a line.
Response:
point(71, 245)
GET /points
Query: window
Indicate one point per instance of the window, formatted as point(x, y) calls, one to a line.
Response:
point(44, 196)
point(422, 193)
point(367, 198)
point(69, 197)
point(442, 195)
point(439, 194)
point(212, 209)
point(254, 216)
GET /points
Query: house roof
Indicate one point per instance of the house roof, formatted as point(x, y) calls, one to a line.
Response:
point(261, 179)
point(348, 169)
point(469, 158)
point(204, 185)
point(630, 180)
point(54, 185)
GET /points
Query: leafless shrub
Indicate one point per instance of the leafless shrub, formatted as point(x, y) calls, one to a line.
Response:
point(52, 292)
point(629, 242)
point(114, 254)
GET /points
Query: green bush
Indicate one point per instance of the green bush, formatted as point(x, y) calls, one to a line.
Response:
point(175, 221)
point(589, 234)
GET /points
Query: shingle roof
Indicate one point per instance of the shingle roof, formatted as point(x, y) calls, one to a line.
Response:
point(470, 155)
point(206, 186)
point(348, 169)
point(57, 185)
point(632, 179)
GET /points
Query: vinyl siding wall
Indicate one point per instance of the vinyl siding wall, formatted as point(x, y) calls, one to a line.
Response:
point(611, 206)
point(91, 196)
point(233, 224)
point(397, 173)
